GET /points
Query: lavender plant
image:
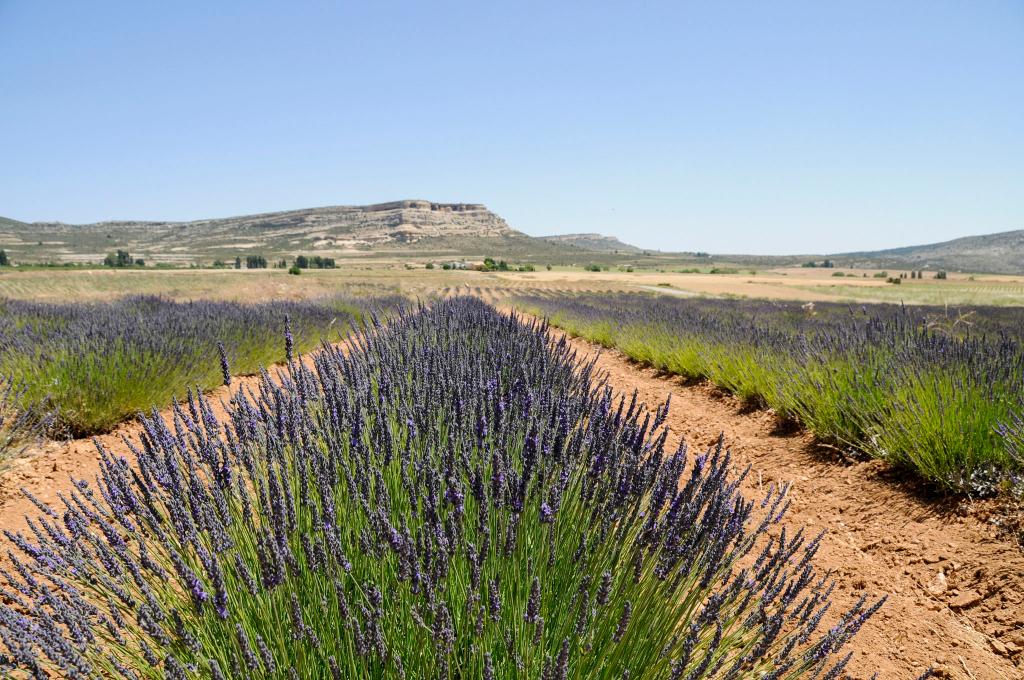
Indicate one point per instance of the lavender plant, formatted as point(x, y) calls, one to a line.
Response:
point(885, 380)
point(17, 426)
point(456, 497)
point(97, 364)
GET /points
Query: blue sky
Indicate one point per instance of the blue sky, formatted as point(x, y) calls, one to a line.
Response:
point(765, 127)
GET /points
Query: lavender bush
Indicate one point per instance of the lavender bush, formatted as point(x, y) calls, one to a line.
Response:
point(17, 426)
point(920, 389)
point(457, 497)
point(97, 364)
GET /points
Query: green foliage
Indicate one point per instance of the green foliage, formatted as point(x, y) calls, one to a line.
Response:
point(314, 262)
point(891, 388)
point(119, 259)
point(95, 365)
point(294, 270)
point(4, 261)
point(255, 262)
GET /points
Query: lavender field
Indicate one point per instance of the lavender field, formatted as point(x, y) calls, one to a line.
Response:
point(935, 391)
point(85, 367)
point(457, 497)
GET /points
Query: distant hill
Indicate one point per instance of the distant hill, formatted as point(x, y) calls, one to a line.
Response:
point(417, 229)
point(411, 227)
point(1001, 253)
point(597, 243)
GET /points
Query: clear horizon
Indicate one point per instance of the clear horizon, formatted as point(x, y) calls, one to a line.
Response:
point(790, 128)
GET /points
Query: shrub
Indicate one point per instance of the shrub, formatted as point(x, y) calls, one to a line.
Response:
point(121, 258)
point(422, 507)
point(18, 425)
point(430, 265)
point(294, 270)
point(4, 261)
point(888, 381)
point(96, 364)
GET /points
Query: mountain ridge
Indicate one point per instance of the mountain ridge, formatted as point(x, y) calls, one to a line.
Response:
point(420, 228)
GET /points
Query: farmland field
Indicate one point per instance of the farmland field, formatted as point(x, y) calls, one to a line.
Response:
point(90, 366)
point(410, 277)
point(424, 486)
point(438, 510)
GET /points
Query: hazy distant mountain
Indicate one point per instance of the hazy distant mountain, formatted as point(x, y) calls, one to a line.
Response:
point(1001, 253)
point(597, 243)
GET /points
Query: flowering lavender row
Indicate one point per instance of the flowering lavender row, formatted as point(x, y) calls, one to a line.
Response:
point(932, 392)
point(97, 364)
point(17, 426)
point(456, 497)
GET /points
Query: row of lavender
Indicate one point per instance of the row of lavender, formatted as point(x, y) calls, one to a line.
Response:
point(457, 497)
point(939, 393)
point(92, 365)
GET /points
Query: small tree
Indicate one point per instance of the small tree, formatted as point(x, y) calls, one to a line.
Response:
point(238, 262)
point(941, 274)
point(4, 262)
point(295, 271)
point(302, 262)
point(119, 259)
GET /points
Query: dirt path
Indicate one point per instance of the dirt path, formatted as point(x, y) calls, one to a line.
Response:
point(883, 537)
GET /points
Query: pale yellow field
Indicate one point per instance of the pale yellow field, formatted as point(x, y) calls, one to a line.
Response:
point(59, 285)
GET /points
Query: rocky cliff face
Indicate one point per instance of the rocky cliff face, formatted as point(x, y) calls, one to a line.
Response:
point(330, 229)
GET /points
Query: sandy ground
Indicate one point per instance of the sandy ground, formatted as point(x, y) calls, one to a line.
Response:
point(884, 537)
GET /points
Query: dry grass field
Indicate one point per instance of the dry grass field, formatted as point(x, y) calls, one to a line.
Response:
point(412, 278)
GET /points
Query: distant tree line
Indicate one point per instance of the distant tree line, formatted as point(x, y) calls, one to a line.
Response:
point(261, 262)
point(314, 262)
